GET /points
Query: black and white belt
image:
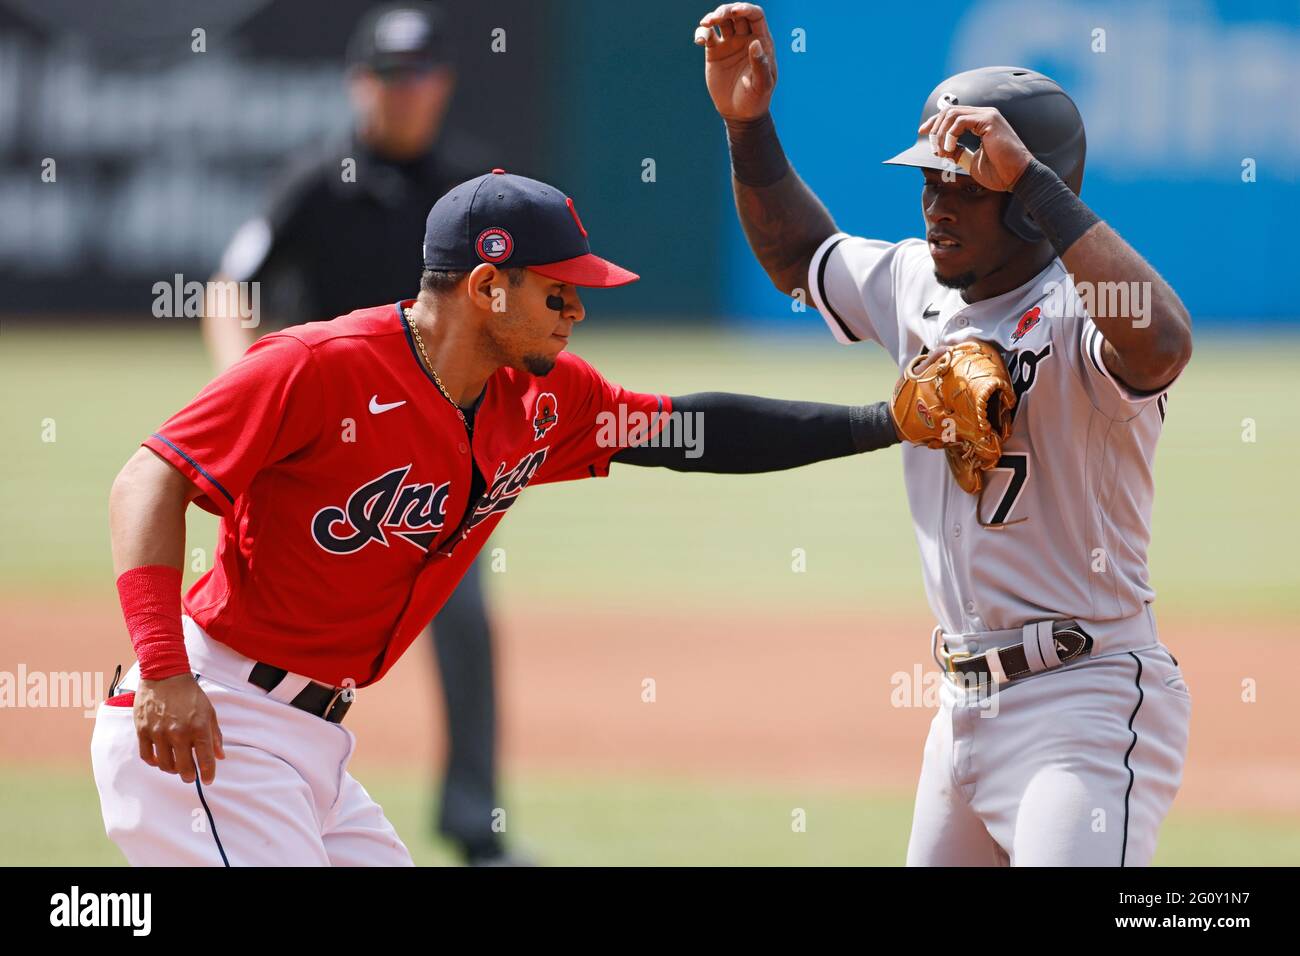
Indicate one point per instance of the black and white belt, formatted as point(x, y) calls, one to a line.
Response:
point(1043, 646)
point(320, 700)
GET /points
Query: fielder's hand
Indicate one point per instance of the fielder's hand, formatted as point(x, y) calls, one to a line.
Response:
point(1002, 157)
point(176, 725)
point(739, 67)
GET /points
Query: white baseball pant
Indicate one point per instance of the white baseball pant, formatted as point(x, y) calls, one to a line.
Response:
point(1071, 767)
point(281, 797)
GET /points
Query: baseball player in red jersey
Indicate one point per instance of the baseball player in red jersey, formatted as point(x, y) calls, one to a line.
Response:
point(357, 466)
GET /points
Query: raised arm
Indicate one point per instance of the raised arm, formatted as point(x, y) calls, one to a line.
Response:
point(1147, 351)
point(783, 221)
point(1150, 341)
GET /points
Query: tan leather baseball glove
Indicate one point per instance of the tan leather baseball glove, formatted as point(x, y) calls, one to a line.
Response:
point(958, 399)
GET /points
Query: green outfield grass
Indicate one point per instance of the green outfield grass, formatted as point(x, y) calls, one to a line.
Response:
point(582, 821)
point(1226, 519)
point(1226, 515)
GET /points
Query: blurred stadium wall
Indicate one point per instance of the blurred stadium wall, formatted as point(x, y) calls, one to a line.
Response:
point(161, 151)
point(1184, 92)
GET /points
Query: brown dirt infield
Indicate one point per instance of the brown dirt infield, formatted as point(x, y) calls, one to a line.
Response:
point(743, 697)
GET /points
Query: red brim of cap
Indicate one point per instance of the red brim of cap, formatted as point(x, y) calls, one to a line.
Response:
point(588, 270)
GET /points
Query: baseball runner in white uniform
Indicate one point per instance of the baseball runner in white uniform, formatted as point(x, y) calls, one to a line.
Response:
point(1062, 729)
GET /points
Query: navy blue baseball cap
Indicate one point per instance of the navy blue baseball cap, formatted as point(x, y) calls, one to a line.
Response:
point(515, 222)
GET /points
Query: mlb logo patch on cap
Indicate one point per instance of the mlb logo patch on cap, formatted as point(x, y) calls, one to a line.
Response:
point(494, 245)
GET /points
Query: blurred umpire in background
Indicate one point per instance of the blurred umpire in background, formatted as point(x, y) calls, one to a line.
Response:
point(330, 242)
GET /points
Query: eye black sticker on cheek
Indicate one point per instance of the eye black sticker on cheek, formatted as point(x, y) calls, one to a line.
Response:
point(555, 302)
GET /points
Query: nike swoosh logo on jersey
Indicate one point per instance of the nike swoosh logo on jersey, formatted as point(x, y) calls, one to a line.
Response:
point(377, 409)
point(929, 313)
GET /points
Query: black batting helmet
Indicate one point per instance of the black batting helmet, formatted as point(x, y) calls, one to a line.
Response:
point(1041, 113)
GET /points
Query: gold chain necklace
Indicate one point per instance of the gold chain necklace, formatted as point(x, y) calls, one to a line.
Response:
point(419, 341)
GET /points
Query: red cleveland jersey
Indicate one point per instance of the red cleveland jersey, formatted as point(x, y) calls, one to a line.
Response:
point(342, 478)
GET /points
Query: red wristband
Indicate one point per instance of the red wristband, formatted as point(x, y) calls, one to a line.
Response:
point(151, 604)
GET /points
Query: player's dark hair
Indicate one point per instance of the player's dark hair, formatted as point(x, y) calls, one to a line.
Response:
point(439, 281)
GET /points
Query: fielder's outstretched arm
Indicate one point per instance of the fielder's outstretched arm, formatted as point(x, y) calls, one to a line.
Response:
point(783, 221)
point(744, 434)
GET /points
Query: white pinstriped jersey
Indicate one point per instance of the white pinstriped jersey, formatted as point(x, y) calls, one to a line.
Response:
point(1074, 489)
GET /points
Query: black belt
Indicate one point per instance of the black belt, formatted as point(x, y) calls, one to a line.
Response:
point(319, 700)
point(1070, 642)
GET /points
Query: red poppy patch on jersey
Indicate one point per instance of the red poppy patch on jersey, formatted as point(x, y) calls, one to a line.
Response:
point(545, 415)
point(494, 245)
point(1027, 322)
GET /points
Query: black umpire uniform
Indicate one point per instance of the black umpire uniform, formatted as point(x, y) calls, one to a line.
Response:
point(338, 236)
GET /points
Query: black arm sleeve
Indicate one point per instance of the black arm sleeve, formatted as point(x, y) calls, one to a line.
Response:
point(744, 434)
